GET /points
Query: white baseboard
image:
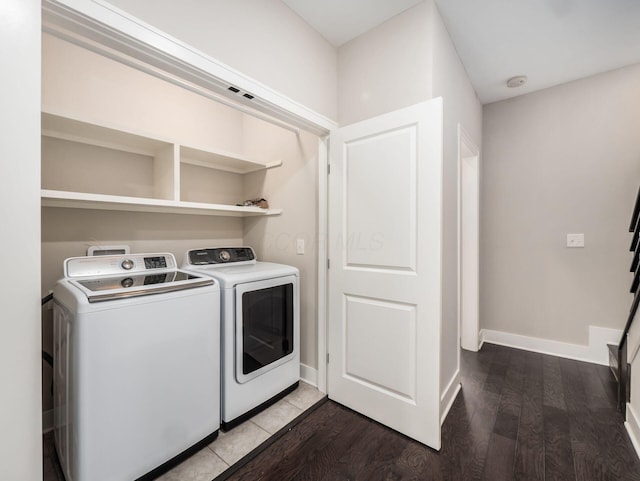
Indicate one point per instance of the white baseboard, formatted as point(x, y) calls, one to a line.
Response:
point(449, 396)
point(309, 374)
point(47, 421)
point(596, 352)
point(633, 428)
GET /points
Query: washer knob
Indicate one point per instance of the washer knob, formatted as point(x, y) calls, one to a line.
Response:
point(127, 264)
point(224, 256)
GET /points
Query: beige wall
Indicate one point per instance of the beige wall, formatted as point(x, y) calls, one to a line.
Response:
point(388, 67)
point(294, 186)
point(461, 107)
point(81, 83)
point(562, 160)
point(20, 360)
point(263, 39)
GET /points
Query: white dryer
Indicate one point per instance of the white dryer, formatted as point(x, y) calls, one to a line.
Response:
point(260, 320)
point(136, 366)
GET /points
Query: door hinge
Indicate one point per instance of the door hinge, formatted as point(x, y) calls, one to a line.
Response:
point(328, 169)
point(328, 263)
point(327, 358)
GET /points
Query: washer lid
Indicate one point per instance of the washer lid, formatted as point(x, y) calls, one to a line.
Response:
point(107, 278)
point(122, 287)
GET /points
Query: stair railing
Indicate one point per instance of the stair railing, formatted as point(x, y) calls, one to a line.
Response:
point(623, 366)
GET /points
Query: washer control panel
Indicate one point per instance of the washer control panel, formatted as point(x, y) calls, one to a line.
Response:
point(117, 264)
point(220, 255)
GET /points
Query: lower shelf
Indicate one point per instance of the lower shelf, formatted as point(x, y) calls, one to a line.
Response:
point(80, 200)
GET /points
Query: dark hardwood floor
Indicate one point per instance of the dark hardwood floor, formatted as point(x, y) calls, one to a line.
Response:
point(519, 416)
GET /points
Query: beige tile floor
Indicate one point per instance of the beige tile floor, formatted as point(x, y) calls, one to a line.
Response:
point(232, 446)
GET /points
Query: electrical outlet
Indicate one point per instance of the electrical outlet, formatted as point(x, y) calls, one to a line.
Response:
point(575, 240)
point(300, 246)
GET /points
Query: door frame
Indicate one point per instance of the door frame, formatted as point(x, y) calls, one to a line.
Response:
point(323, 259)
point(468, 328)
point(109, 31)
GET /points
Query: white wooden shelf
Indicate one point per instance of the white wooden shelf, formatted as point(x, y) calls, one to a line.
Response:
point(221, 160)
point(66, 128)
point(81, 200)
point(167, 155)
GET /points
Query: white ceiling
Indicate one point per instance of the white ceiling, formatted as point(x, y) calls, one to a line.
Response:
point(339, 21)
point(550, 41)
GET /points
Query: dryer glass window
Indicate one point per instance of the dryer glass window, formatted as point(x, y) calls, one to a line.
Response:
point(267, 326)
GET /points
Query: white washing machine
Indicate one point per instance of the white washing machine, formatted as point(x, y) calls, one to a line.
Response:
point(136, 366)
point(260, 321)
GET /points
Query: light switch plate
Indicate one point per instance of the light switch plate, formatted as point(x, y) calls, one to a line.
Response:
point(575, 240)
point(300, 246)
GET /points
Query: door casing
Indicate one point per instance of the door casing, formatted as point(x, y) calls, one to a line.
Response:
point(468, 241)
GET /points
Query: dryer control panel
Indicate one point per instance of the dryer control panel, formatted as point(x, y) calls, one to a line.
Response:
point(220, 255)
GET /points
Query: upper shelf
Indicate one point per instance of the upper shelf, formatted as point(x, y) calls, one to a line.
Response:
point(66, 128)
point(102, 135)
point(221, 160)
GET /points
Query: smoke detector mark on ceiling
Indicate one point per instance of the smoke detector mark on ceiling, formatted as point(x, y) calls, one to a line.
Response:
point(517, 81)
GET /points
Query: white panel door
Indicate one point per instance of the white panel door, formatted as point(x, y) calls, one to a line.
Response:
point(385, 199)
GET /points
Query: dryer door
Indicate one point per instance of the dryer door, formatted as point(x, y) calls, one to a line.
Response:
point(266, 325)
